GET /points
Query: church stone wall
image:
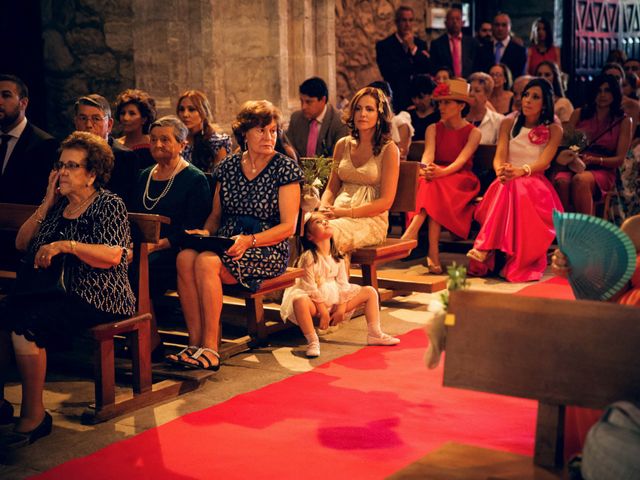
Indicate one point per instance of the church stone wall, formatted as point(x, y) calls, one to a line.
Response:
point(88, 47)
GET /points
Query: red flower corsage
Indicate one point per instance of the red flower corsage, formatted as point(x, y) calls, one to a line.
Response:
point(539, 135)
point(441, 90)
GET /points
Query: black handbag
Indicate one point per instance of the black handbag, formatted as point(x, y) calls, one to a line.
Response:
point(42, 283)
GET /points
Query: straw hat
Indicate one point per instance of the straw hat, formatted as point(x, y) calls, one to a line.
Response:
point(454, 89)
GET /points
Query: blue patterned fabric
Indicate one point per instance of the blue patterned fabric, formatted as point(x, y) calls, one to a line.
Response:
point(251, 206)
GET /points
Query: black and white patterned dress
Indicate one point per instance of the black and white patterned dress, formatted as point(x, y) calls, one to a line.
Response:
point(251, 206)
point(96, 295)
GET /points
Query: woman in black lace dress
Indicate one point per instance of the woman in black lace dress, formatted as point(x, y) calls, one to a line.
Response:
point(256, 202)
point(88, 224)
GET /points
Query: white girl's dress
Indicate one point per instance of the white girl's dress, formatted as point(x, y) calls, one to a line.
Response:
point(325, 282)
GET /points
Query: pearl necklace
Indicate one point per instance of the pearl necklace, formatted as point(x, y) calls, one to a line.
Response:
point(72, 211)
point(166, 189)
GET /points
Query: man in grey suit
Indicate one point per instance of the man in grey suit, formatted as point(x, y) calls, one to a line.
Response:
point(453, 49)
point(317, 126)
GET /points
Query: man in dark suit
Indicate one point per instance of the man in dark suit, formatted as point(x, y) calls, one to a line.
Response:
point(93, 115)
point(316, 127)
point(27, 153)
point(454, 50)
point(504, 49)
point(400, 56)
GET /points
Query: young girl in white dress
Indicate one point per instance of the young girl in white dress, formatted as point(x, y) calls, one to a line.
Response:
point(324, 292)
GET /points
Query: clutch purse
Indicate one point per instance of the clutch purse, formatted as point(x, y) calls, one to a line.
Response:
point(42, 283)
point(204, 243)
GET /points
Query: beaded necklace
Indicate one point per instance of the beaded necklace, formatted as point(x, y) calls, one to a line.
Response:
point(146, 197)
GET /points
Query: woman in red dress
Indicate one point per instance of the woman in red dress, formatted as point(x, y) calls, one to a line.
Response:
point(447, 186)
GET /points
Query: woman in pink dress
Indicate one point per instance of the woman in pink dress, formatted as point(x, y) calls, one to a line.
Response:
point(608, 131)
point(516, 212)
point(447, 185)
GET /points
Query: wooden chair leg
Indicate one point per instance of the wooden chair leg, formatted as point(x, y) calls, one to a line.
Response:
point(105, 374)
point(141, 358)
point(549, 446)
point(255, 318)
point(370, 275)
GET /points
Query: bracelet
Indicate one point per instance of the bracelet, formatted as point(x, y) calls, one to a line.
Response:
point(253, 241)
point(527, 169)
point(601, 160)
point(73, 244)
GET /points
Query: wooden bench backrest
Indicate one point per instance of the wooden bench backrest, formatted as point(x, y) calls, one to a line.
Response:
point(483, 165)
point(416, 149)
point(407, 190)
point(562, 352)
point(13, 215)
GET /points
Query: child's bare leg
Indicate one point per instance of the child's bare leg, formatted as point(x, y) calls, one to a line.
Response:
point(369, 297)
point(304, 310)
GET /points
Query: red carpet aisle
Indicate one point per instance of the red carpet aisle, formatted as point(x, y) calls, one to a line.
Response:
point(555, 287)
point(365, 415)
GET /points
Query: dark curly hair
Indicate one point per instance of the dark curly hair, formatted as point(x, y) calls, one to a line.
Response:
point(254, 113)
point(382, 135)
point(141, 99)
point(99, 158)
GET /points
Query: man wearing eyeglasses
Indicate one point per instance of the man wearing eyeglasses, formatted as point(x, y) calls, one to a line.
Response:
point(93, 115)
point(26, 152)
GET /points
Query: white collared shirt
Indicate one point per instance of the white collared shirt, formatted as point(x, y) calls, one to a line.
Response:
point(490, 127)
point(15, 133)
point(320, 118)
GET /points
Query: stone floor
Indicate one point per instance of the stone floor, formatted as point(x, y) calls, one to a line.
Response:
point(66, 397)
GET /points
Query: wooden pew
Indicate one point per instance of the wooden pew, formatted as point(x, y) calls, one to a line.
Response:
point(558, 352)
point(483, 166)
point(416, 149)
point(394, 248)
point(258, 327)
point(145, 230)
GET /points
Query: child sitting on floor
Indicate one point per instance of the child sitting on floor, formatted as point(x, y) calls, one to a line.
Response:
point(324, 291)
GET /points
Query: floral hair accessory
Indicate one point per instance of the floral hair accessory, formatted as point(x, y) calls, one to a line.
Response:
point(441, 90)
point(539, 135)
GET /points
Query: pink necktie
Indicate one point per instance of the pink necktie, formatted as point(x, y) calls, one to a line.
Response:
point(312, 140)
point(457, 63)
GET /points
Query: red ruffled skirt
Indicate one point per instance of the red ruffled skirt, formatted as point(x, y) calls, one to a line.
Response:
point(517, 219)
point(449, 201)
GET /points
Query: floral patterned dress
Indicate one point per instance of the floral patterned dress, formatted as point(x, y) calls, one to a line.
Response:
point(251, 207)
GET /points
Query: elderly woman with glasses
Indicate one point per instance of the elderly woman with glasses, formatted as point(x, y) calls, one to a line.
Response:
point(87, 225)
point(256, 203)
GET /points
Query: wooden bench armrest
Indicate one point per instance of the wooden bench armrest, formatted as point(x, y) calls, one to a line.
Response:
point(108, 330)
point(281, 282)
point(390, 248)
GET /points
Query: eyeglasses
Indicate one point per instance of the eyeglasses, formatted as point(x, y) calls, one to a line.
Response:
point(70, 166)
point(92, 118)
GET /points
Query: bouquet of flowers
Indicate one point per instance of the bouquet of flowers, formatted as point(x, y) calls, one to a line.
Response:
point(435, 326)
point(316, 171)
point(574, 142)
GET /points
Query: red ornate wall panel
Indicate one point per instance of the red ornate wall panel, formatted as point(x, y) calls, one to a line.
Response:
point(594, 28)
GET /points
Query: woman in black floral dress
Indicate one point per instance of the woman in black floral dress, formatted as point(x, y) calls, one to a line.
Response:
point(256, 203)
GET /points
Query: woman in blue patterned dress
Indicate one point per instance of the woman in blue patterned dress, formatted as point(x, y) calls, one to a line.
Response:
point(205, 147)
point(256, 203)
point(88, 224)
